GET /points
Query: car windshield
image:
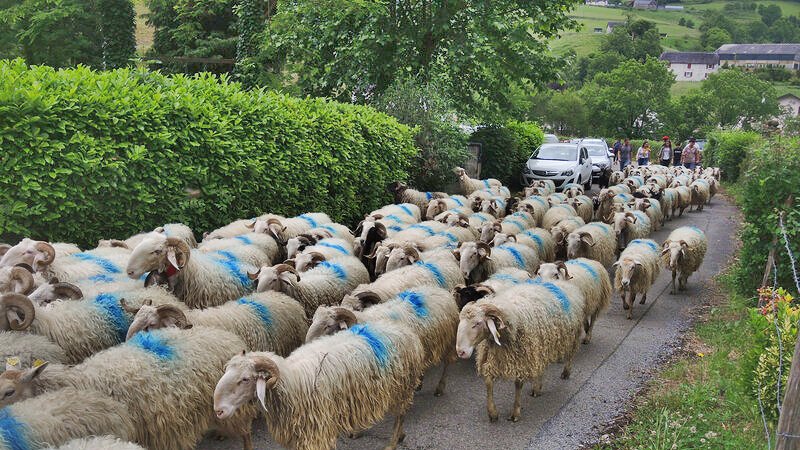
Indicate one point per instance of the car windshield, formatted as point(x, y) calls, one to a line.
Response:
point(564, 152)
point(596, 150)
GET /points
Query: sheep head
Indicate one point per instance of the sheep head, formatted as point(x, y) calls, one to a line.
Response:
point(280, 278)
point(674, 252)
point(435, 207)
point(471, 255)
point(627, 268)
point(246, 376)
point(150, 317)
point(329, 320)
point(272, 227)
point(361, 300)
point(554, 271)
point(401, 256)
point(463, 295)
point(578, 243)
point(489, 229)
point(380, 253)
point(477, 322)
point(307, 260)
point(55, 290)
point(36, 254)
point(158, 252)
point(461, 174)
point(17, 385)
point(298, 244)
point(503, 238)
point(16, 312)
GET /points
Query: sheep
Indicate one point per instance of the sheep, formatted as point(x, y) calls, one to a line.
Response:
point(616, 177)
point(266, 321)
point(509, 225)
point(659, 180)
point(283, 229)
point(518, 332)
point(428, 310)
point(684, 199)
point(237, 227)
point(591, 278)
point(323, 250)
point(342, 383)
point(312, 236)
point(325, 284)
point(630, 225)
point(16, 279)
point(547, 187)
point(539, 239)
point(469, 185)
point(535, 205)
point(713, 186)
point(476, 220)
point(57, 417)
point(98, 443)
point(449, 238)
point(556, 214)
point(637, 269)
point(440, 205)
point(496, 206)
point(478, 261)
point(499, 281)
point(572, 190)
point(683, 252)
point(700, 193)
point(80, 328)
point(28, 348)
point(652, 209)
point(252, 248)
point(560, 231)
point(556, 198)
point(404, 194)
point(177, 230)
point(44, 258)
point(47, 293)
point(668, 200)
point(27, 252)
point(605, 203)
point(419, 231)
point(595, 240)
point(199, 279)
point(403, 213)
point(584, 207)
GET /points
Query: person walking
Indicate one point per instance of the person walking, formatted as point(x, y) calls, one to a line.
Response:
point(643, 154)
point(677, 152)
point(666, 151)
point(625, 154)
point(615, 150)
point(691, 154)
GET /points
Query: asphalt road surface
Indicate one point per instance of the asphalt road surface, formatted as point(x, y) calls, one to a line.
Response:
point(606, 374)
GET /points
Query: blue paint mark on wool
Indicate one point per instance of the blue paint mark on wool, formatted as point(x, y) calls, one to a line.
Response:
point(586, 266)
point(336, 247)
point(515, 253)
point(12, 431)
point(108, 305)
point(395, 227)
point(393, 218)
point(336, 268)
point(244, 240)
point(535, 238)
point(153, 342)
point(650, 244)
point(428, 196)
point(330, 228)
point(537, 199)
point(424, 228)
point(308, 219)
point(457, 200)
point(260, 310)
point(375, 342)
point(521, 226)
point(560, 295)
point(101, 278)
point(406, 209)
point(603, 226)
point(450, 236)
point(416, 300)
point(505, 277)
point(104, 263)
point(486, 183)
point(437, 273)
point(231, 263)
point(695, 229)
point(641, 215)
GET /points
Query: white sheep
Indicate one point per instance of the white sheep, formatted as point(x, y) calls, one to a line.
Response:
point(630, 225)
point(616, 177)
point(44, 258)
point(519, 332)
point(325, 284)
point(98, 443)
point(177, 230)
point(237, 227)
point(683, 252)
point(252, 248)
point(556, 198)
point(539, 239)
point(595, 240)
point(343, 383)
point(713, 186)
point(560, 231)
point(684, 199)
point(404, 194)
point(429, 310)
point(700, 193)
point(536, 205)
point(547, 186)
point(572, 190)
point(323, 250)
point(653, 210)
point(440, 205)
point(468, 185)
point(403, 213)
point(637, 270)
point(556, 214)
point(583, 205)
point(669, 202)
point(283, 229)
point(478, 261)
point(496, 206)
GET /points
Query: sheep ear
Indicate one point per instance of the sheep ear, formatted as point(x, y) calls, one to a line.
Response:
point(493, 329)
point(637, 262)
point(457, 254)
point(172, 258)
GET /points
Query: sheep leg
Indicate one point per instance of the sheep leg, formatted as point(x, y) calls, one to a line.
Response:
point(397, 435)
point(247, 441)
point(624, 299)
point(490, 407)
point(419, 383)
point(588, 331)
point(644, 299)
point(673, 291)
point(443, 380)
point(517, 411)
point(631, 299)
point(536, 389)
point(568, 363)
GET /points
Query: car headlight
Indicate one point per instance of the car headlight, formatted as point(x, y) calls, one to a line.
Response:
point(567, 173)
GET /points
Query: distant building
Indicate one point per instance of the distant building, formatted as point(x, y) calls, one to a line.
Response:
point(645, 4)
point(673, 7)
point(598, 30)
point(691, 66)
point(611, 25)
point(597, 2)
point(790, 103)
point(753, 56)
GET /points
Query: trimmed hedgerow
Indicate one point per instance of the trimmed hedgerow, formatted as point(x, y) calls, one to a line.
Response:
point(89, 155)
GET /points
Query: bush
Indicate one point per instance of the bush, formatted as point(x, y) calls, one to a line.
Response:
point(89, 155)
point(501, 157)
point(528, 135)
point(728, 150)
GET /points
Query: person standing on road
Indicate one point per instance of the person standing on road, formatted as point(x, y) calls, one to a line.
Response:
point(625, 154)
point(690, 155)
point(643, 154)
point(615, 150)
point(677, 152)
point(666, 151)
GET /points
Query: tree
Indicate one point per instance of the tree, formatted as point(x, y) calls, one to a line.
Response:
point(783, 31)
point(566, 114)
point(769, 13)
point(689, 23)
point(117, 21)
point(713, 38)
point(588, 66)
point(688, 115)
point(473, 49)
point(630, 98)
point(735, 97)
point(637, 40)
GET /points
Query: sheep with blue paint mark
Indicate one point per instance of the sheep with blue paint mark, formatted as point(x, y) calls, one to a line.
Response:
point(449, 238)
point(495, 206)
point(46, 261)
point(469, 185)
point(499, 281)
point(428, 310)
point(546, 187)
point(638, 267)
point(556, 214)
point(556, 198)
point(314, 235)
point(440, 205)
point(323, 250)
point(325, 284)
point(518, 332)
point(478, 261)
point(584, 207)
point(404, 194)
point(630, 225)
point(177, 230)
point(595, 240)
point(252, 248)
point(57, 417)
point(683, 253)
point(560, 231)
point(32, 253)
point(539, 239)
point(240, 226)
point(342, 384)
point(198, 279)
point(572, 190)
point(98, 443)
point(535, 205)
point(403, 213)
point(591, 278)
point(650, 207)
point(283, 229)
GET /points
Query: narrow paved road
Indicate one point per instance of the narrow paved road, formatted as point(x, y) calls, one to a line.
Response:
point(605, 375)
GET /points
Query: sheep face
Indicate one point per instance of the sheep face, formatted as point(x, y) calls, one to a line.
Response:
point(35, 254)
point(676, 252)
point(297, 244)
point(306, 261)
point(548, 272)
point(621, 222)
point(279, 278)
point(17, 385)
point(627, 268)
point(47, 293)
point(381, 255)
point(401, 256)
point(471, 255)
point(578, 244)
point(476, 323)
point(488, 231)
point(157, 252)
point(435, 207)
point(272, 227)
point(246, 376)
point(329, 320)
point(502, 238)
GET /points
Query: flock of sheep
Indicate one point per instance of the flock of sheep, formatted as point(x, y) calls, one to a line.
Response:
point(154, 340)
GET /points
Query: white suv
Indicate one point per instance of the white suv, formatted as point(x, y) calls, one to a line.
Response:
point(561, 163)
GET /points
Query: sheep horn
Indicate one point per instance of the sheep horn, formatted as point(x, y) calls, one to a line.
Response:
point(128, 308)
point(22, 303)
point(409, 250)
point(368, 298)
point(67, 290)
point(316, 258)
point(24, 278)
point(484, 246)
point(562, 266)
point(25, 266)
point(344, 315)
point(182, 252)
point(266, 365)
point(159, 230)
point(250, 225)
point(254, 276)
point(280, 268)
point(172, 312)
point(4, 248)
point(118, 244)
point(48, 250)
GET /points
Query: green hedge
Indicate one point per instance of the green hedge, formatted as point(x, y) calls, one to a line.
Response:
point(728, 151)
point(504, 150)
point(89, 155)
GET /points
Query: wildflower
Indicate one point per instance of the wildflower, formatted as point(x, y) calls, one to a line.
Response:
point(711, 435)
point(693, 429)
point(700, 354)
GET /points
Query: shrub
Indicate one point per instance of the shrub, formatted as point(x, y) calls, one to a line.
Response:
point(528, 135)
point(728, 150)
point(89, 155)
point(501, 156)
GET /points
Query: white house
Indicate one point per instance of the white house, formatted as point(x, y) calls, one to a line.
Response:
point(790, 103)
point(691, 66)
point(611, 25)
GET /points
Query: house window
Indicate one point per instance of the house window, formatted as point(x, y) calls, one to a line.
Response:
point(705, 76)
point(687, 74)
point(709, 66)
point(689, 66)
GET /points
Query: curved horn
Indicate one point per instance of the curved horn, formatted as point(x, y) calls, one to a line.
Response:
point(24, 278)
point(128, 308)
point(409, 250)
point(25, 266)
point(172, 312)
point(562, 266)
point(267, 366)
point(67, 290)
point(344, 315)
point(48, 250)
point(4, 248)
point(24, 305)
point(182, 252)
point(117, 243)
point(368, 298)
point(280, 268)
point(484, 246)
point(254, 276)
